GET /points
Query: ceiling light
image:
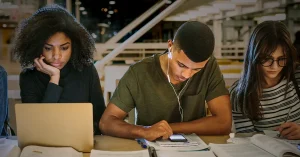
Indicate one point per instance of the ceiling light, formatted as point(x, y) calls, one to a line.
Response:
point(111, 12)
point(77, 2)
point(81, 8)
point(112, 2)
point(84, 12)
point(108, 15)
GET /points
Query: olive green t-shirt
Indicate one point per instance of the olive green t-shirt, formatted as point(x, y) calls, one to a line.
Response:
point(145, 87)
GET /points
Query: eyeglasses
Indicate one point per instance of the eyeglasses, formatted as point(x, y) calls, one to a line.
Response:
point(269, 62)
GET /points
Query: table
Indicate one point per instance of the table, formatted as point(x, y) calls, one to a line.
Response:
point(103, 142)
point(109, 143)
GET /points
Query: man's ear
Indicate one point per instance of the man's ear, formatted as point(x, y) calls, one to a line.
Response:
point(170, 43)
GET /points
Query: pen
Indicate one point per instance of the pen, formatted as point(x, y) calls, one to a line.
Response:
point(288, 116)
point(286, 119)
point(152, 152)
point(142, 143)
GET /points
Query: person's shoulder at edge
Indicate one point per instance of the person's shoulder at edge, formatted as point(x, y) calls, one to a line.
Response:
point(2, 69)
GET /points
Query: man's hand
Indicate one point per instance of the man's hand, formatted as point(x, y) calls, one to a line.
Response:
point(160, 129)
point(53, 72)
point(289, 130)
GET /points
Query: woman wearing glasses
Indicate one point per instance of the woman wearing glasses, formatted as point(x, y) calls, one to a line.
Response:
point(265, 97)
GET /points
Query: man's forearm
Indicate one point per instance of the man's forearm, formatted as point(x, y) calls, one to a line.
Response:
point(119, 128)
point(211, 125)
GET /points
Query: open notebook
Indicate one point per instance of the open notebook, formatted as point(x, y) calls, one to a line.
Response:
point(259, 146)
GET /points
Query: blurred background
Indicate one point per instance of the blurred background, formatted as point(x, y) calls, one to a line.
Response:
point(126, 31)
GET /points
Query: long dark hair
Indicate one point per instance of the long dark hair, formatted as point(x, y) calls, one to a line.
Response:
point(32, 33)
point(264, 40)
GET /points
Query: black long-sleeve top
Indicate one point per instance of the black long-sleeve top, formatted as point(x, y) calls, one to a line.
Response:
point(74, 87)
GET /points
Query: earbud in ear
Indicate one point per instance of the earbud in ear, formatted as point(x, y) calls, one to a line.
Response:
point(169, 54)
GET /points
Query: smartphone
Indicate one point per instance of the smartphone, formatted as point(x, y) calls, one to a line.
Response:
point(177, 138)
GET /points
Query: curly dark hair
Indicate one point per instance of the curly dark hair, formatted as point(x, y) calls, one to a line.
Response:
point(33, 32)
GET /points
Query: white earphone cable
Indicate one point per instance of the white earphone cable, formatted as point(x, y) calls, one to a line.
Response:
point(177, 95)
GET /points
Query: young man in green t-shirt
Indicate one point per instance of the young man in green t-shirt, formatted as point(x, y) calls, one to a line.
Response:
point(169, 91)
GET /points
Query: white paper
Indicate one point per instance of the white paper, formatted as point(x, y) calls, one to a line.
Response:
point(239, 140)
point(273, 134)
point(238, 150)
point(272, 145)
point(144, 153)
point(11, 142)
point(185, 154)
point(8, 141)
point(2, 140)
point(100, 153)
point(9, 150)
point(191, 138)
point(168, 143)
point(38, 151)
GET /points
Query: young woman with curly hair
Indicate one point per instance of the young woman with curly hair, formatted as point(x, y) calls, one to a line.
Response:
point(56, 52)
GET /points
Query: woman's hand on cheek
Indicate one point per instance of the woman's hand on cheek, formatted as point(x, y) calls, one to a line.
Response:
point(45, 68)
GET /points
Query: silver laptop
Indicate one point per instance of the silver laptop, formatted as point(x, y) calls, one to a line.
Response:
point(55, 125)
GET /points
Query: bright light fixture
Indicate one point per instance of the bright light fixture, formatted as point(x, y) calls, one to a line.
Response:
point(81, 8)
point(112, 2)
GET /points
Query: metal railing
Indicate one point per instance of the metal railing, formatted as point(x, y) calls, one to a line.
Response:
point(138, 51)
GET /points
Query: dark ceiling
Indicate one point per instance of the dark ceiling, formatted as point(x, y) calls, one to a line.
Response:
point(124, 12)
point(126, 9)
